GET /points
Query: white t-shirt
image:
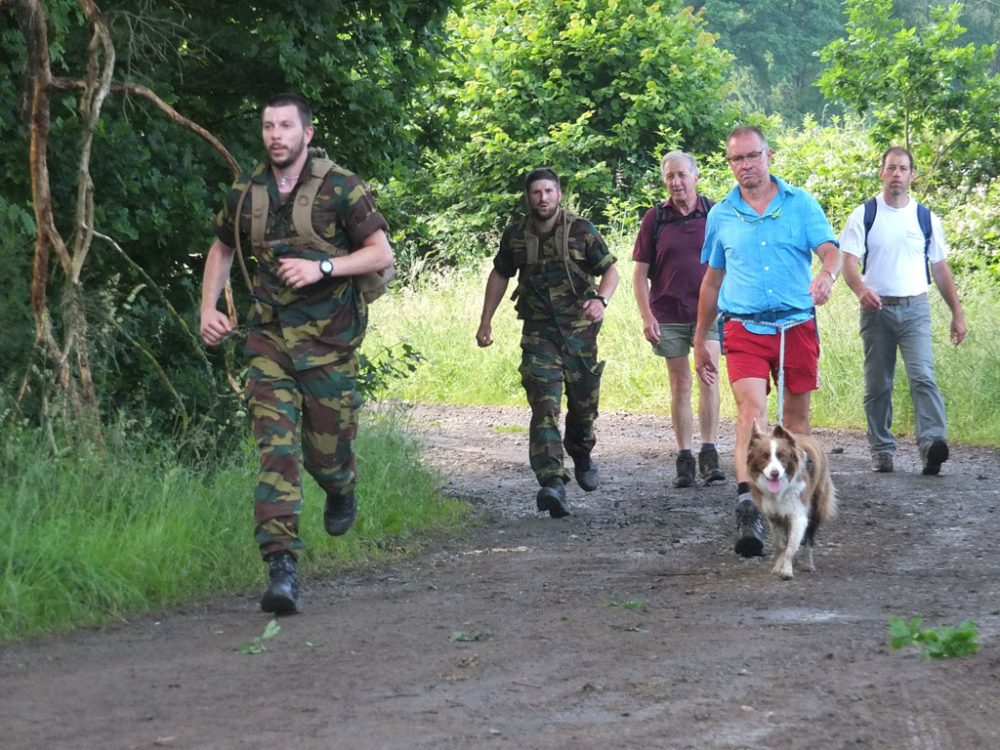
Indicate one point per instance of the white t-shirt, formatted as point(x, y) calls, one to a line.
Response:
point(895, 266)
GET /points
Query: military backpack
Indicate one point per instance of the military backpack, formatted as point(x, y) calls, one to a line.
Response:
point(304, 235)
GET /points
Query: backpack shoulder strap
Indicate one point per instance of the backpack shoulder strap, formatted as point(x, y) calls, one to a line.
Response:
point(924, 219)
point(259, 204)
point(871, 206)
point(303, 208)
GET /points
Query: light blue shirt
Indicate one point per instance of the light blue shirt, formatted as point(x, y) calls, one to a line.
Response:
point(767, 258)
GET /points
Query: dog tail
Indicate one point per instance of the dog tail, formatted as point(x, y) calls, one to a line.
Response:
point(823, 500)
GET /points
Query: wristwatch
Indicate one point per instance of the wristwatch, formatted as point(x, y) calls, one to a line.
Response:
point(604, 300)
point(326, 268)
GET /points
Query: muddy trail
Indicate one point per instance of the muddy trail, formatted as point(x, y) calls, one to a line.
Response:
point(629, 624)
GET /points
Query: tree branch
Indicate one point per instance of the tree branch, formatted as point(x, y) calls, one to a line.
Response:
point(70, 84)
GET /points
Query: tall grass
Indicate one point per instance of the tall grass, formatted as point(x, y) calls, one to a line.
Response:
point(132, 528)
point(440, 316)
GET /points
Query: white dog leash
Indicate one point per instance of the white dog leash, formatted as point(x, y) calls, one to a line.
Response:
point(780, 327)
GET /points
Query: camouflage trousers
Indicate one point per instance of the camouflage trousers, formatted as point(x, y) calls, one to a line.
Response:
point(326, 401)
point(551, 360)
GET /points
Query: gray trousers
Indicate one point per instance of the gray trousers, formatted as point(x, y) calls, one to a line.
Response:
point(906, 327)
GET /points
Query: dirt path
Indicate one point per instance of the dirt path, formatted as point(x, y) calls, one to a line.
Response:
point(714, 652)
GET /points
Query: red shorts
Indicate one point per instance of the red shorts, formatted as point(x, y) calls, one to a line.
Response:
point(755, 355)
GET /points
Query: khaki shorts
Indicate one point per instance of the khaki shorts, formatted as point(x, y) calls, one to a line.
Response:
point(676, 339)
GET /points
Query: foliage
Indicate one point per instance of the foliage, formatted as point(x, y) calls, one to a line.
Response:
point(378, 372)
point(918, 84)
point(105, 532)
point(935, 643)
point(257, 645)
point(595, 90)
point(973, 225)
point(156, 185)
point(776, 43)
point(440, 319)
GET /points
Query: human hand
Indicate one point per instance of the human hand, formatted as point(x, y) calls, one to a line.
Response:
point(869, 299)
point(299, 272)
point(484, 336)
point(703, 364)
point(593, 310)
point(958, 330)
point(215, 326)
point(821, 287)
point(651, 330)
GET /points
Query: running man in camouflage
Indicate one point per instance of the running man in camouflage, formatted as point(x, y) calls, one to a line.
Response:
point(556, 256)
point(306, 324)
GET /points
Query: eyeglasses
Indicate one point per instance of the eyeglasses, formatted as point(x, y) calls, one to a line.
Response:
point(752, 156)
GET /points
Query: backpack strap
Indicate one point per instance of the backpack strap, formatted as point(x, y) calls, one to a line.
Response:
point(239, 248)
point(923, 218)
point(662, 219)
point(871, 206)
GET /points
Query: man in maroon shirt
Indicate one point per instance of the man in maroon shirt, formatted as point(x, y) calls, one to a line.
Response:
point(668, 274)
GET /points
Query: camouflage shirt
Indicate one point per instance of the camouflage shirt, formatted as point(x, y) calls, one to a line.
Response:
point(552, 289)
point(319, 323)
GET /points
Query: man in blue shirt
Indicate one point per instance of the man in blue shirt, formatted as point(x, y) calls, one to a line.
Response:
point(759, 242)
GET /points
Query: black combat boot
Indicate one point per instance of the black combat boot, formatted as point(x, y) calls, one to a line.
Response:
point(282, 593)
point(552, 498)
point(339, 514)
point(585, 471)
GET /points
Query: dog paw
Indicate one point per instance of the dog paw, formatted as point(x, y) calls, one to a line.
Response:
point(784, 571)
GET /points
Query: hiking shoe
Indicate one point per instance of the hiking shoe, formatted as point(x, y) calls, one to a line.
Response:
point(552, 498)
point(750, 532)
point(685, 471)
point(708, 465)
point(882, 463)
point(586, 474)
point(282, 593)
point(338, 516)
point(937, 454)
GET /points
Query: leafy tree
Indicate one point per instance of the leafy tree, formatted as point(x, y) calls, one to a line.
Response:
point(154, 186)
point(597, 90)
point(776, 44)
point(919, 86)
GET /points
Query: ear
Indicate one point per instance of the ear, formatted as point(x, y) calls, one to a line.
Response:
point(781, 432)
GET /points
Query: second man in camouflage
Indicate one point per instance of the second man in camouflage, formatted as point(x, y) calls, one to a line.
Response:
point(556, 256)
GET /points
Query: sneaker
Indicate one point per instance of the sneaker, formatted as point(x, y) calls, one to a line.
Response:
point(882, 463)
point(937, 454)
point(685, 471)
point(750, 532)
point(552, 498)
point(708, 465)
point(586, 474)
point(282, 593)
point(338, 516)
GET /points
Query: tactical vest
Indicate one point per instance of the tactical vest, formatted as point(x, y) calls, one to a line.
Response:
point(573, 269)
point(371, 285)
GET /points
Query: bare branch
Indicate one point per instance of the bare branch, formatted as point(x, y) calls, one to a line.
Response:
point(69, 84)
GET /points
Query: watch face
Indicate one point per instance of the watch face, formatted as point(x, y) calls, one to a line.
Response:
point(326, 267)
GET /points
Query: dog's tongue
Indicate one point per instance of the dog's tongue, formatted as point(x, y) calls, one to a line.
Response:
point(773, 485)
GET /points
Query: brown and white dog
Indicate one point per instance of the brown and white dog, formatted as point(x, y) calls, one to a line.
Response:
point(795, 495)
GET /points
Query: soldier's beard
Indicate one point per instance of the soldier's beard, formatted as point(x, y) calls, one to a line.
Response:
point(546, 214)
point(293, 154)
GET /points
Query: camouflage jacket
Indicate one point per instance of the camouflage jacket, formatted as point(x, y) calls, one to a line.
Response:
point(321, 322)
point(552, 288)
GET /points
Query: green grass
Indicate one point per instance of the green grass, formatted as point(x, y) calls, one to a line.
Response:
point(440, 318)
point(92, 538)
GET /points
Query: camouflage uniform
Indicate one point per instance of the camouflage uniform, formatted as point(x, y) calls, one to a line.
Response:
point(558, 342)
point(302, 350)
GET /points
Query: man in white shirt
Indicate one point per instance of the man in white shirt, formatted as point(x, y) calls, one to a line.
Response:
point(900, 246)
